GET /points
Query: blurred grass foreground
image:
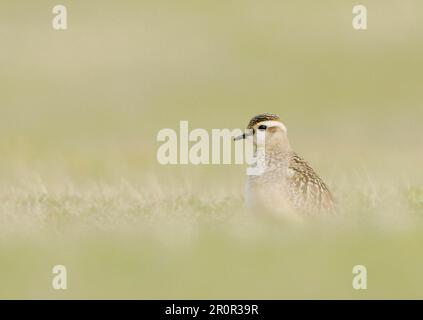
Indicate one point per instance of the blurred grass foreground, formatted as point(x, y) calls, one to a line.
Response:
point(80, 185)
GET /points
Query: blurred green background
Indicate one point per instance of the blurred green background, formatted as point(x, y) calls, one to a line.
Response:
point(80, 184)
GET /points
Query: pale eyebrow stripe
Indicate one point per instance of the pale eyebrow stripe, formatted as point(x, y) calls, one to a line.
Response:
point(272, 123)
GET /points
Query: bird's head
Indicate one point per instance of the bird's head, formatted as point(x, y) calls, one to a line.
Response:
point(270, 127)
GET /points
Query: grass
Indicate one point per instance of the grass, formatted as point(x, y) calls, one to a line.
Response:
point(79, 180)
point(132, 241)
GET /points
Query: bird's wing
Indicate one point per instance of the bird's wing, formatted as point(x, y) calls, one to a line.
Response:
point(307, 189)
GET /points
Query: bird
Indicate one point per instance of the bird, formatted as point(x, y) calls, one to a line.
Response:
point(287, 185)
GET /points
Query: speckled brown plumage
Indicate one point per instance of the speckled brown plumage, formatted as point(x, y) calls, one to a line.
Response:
point(306, 189)
point(262, 117)
point(288, 183)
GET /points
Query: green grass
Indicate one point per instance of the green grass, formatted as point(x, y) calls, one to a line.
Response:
point(173, 240)
point(79, 180)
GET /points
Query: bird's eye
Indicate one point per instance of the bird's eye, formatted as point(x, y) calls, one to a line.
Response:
point(262, 127)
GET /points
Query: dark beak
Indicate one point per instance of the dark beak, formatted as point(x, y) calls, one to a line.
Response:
point(245, 135)
point(242, 136)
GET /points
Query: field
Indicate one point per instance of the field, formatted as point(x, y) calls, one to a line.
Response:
point(80, 184)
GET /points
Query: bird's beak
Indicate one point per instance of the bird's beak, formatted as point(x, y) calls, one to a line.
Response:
point(243, 136)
